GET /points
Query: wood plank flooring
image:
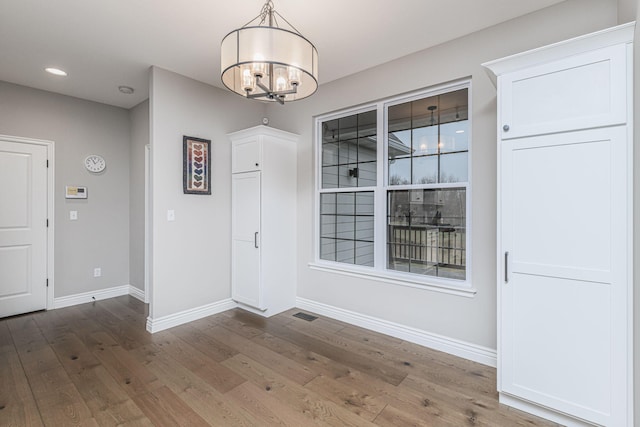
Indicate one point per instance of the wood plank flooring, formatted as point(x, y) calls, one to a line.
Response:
point(95, 365)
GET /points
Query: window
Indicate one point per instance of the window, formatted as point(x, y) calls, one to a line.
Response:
point(397, 205)
point(349, 161)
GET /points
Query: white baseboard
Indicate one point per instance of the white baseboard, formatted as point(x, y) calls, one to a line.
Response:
point(476, 353)
point(186, 316)
point(101, 294)
point(136, 293)
point(86, 297)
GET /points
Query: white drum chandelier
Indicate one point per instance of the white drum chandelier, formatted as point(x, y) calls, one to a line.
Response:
point(265, 61)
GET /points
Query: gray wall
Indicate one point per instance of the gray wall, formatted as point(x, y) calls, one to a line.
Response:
point(627, 10)
point(100, 236)
point(191, 261)
point(139, 123)
point(472, 320)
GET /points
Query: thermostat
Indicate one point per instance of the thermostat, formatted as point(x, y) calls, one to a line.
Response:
point(75, 192)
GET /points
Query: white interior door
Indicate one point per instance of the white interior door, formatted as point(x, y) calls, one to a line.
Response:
point(245, 257)
point(564, 295)
point(23, 227)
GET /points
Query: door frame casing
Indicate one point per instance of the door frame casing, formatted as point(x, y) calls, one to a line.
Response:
point(50, 146)
point(148, 230)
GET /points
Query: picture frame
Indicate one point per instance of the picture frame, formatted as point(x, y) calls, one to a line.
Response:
point(196, 165)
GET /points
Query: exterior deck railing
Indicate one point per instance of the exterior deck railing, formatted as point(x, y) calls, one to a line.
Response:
point(428, 244)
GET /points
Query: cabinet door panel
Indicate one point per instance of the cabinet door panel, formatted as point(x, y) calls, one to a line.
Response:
point(245, 264)
point(246, 155)
point(563, 310)
point(579, 92)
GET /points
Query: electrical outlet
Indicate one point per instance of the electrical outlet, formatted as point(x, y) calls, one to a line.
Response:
point(97, 272)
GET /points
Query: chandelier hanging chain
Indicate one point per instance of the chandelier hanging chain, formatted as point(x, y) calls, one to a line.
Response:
point(268, 10)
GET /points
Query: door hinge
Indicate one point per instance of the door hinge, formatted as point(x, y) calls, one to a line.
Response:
point(47, 283)
point(506, 267)
point(47, 222)
point(47, 162)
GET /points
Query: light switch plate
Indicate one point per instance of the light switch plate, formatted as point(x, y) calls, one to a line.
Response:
point(171, 215)
point(73, 215)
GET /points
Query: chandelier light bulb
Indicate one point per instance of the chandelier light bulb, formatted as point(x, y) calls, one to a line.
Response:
point(281, 79)
point(248, 83)
point(294, 76)
point(281, 84)
point(258, 67)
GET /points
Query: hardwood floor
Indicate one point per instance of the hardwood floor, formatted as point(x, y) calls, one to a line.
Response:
point(94, 364)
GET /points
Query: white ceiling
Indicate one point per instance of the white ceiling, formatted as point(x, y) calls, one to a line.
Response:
point(106, 43)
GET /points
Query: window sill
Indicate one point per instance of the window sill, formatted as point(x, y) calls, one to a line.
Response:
point(394, 278)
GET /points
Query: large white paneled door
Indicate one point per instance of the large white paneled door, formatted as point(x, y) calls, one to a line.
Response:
point(564, 291)
point(23, 226)
point(245, 239)
point(565, 231)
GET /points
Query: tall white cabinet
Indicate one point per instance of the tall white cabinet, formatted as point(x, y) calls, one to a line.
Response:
point(263, 219)
point(565, 217)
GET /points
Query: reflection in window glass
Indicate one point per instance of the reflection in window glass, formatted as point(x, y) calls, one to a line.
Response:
point(454, 137)
point(400, 171)
point(453, 167)
point(420, 132)
point(349, 147)
point(425, 141)
point(426, 232)
point(425, 169)
point(347, 227)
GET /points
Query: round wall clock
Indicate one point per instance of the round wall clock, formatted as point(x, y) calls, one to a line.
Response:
point(95, 163)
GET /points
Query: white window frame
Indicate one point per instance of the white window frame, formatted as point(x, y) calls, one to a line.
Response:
point(380, 272)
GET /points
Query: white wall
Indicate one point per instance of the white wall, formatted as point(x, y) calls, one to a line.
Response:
point(472, 320)
point(191, 260)
point(100, 236)
point(139, 123)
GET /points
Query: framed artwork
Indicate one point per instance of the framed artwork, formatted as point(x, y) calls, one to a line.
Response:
point(196, 165)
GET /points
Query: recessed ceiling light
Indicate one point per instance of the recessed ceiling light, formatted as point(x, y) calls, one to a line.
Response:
point(459, 131)
point(127, 90)
point(56, 71)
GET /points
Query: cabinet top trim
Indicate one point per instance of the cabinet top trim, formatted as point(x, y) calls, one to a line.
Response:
point(262, 130)
point(600, 39)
